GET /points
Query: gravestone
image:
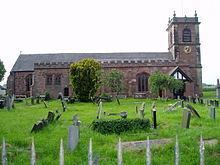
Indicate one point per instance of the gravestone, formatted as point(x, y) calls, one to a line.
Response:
point(61, 160)
point(63, 102)
point(120, 160)
point(141, 110)
point(4, 153)
point(186, 118)
point(2, 103)
point(154, 118)
point(38, 100)
point(90, 162)
point(218, 89)
point(190, 99)
point(9, 102)
point(212, 112)
point(50, 116)
point(45, 104)
point(216, 103)
point(33, 154)
point(99, 113)
point(32, 100)
point(194, 112)
point(73, 134)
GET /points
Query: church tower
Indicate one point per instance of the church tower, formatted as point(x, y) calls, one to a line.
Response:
point(184, 45)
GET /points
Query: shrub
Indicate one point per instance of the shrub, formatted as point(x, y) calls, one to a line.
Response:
point(118, 126)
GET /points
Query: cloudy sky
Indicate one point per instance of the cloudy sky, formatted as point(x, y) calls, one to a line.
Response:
point(56, 26)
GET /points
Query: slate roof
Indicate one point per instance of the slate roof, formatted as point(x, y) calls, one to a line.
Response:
point(25, 62)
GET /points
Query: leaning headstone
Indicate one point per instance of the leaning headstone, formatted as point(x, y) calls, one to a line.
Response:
point(202, 151)
point(61, 160)
point(186, 118)
point(148, 153)
point(90, 162)
point(212, 112)
point(50, 116)
point(218, 89)
point(120, 161)
point(176, 152)
point(62, 101)
point(33, 154)
point(45, 104)
point(193, 110)
point(4, 153)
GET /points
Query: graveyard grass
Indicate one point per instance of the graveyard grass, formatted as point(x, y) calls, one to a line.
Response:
point(15, 127)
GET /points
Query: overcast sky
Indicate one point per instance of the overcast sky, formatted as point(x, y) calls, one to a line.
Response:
point(71, 26)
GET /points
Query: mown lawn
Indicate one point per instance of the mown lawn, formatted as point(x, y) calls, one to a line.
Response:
point(15, 127)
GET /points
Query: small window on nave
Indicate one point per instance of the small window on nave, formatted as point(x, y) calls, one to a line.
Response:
point(49, 79)
point(57, 80)
point(142, 80)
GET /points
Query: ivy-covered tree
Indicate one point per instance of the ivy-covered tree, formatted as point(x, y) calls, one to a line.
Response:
point(2, 70)
point(114, 82)
point(162, 82)
point(85, 78)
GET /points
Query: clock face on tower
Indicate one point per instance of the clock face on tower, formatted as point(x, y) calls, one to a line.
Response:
point(187, 49)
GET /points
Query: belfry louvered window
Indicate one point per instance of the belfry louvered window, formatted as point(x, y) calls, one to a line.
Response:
point(186, 35)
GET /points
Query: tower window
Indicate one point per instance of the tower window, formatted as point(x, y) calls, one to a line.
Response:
point(186, 35)
point(142, 80)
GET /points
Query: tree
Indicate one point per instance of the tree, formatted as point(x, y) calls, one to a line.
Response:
point(85, 78)
point(114, 82)
point(162, 82)
point(2, 70)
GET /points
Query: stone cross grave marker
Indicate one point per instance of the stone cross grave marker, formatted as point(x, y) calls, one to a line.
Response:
point(186, 118)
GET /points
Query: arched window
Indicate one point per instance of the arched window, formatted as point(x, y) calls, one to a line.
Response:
point(186, 35)
point(28, 81)
point(142, 80)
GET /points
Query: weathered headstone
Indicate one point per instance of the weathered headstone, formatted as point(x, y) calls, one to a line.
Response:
point(9, 101)
point(218, 89)
point(120, 160)
point(154, 118)
point(62, 101)
point(176, 152)
point(50, 116)
point(141, 110)
point(61, 160)
point(4, 153)
point(148, 152)
point(202, 151)
point(194, 112)
point(212, 112)
point(45, 104)
point(190, 99)
point(186, 118)
point(99, 113)
point(90, 161)
point(73, 136)
point(38, 100)
point(33, 154)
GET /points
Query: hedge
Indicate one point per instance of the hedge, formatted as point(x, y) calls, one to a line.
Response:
point(107, 126)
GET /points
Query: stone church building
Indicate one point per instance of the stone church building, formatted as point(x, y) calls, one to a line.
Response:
point(34, 74)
